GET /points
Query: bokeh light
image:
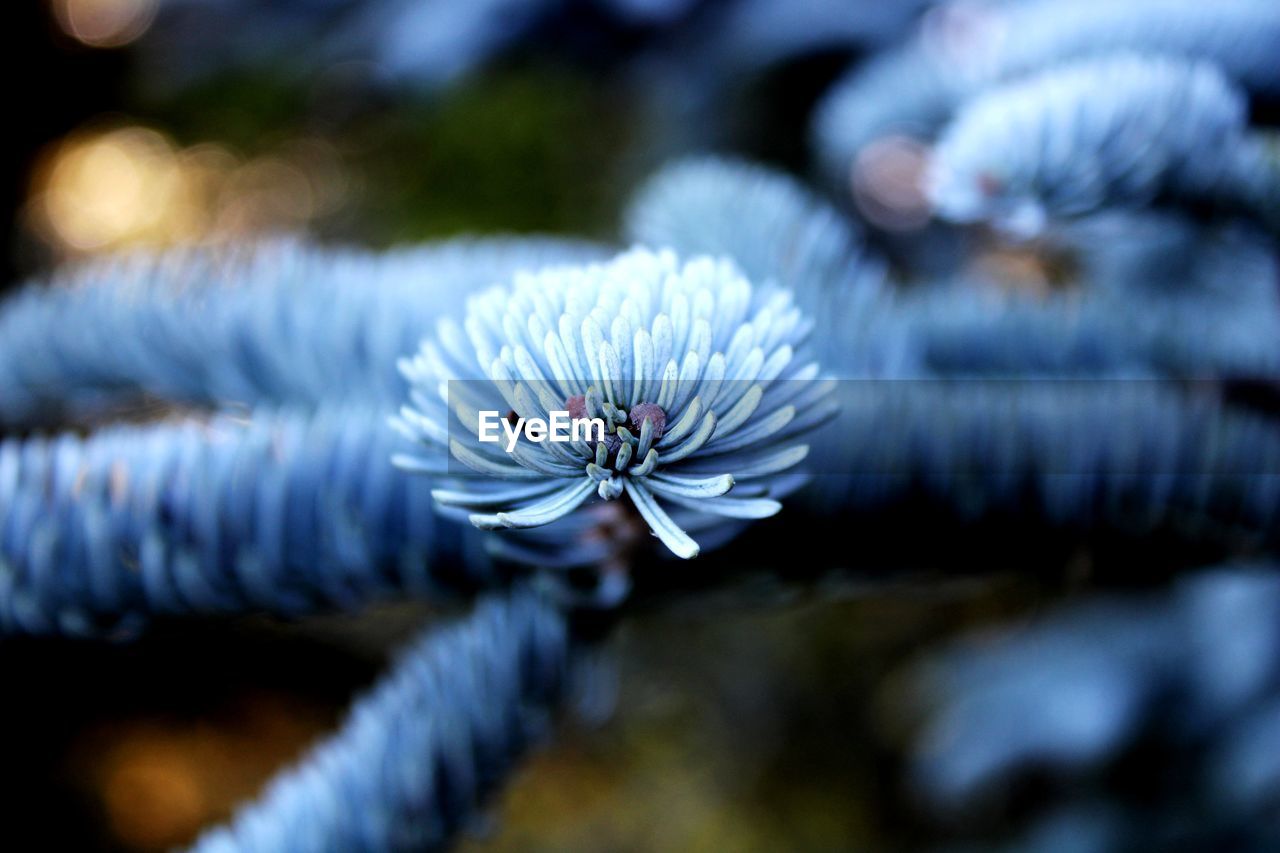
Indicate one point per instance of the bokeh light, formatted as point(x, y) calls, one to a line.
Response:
point(113, 188)
point(117, 187)
point(158, 780)
point(104, 23)
point(887, 183)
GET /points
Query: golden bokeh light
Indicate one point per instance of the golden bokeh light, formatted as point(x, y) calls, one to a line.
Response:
point(121, 186)
point(125, 186)
point(158, 781)
point(104, 23)
point(153, 792)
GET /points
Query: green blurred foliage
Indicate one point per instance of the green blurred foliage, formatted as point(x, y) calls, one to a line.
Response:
point(510, 151)
point(749, 727)
point(520, 148)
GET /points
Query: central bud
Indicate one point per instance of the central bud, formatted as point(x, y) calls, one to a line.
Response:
point(576, 406)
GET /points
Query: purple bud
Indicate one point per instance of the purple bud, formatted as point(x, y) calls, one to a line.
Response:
point(639, 412)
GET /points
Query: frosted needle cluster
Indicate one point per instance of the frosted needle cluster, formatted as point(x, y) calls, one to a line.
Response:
point(693, 370)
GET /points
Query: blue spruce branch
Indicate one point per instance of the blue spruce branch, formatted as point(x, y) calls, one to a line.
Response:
point(1139, 455)
point(959, 332)
point(772, 227)
point(916, 88)
point(1121, 131)
point(276, 323)
point(421, 752)
point(1192, 674)
point(1161, 295)
point(282, 511)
